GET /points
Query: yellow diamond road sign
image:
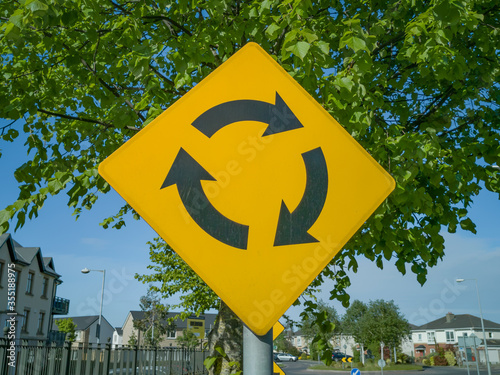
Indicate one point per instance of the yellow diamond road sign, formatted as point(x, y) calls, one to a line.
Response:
point(251, 182)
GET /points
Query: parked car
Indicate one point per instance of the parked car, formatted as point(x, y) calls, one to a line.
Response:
point(337, 356)
point(285, 357)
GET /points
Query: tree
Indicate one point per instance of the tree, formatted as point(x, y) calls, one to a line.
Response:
point(67, 326)
point(188, 339)
point(154, 325)
point(383, 323)
point(416, 83)
point(321, 322)
point(351, 321)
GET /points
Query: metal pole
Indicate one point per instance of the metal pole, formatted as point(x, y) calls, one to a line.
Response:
point(477, 356)
point(466, 360)
point(382, 357)
point(257, 353)
point(484, 333)
point(100, 309)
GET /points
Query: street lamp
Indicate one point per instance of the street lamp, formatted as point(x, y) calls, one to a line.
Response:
point(482, 324)
point(85, 271)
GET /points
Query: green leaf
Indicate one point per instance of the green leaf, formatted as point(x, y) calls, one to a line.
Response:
point(300, 49)
point(354, 43)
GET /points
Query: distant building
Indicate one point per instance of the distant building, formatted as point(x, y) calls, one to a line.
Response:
point(86, 329)
point(117, 337)
point(35, 280)
point(200, 326)
point(446, 331)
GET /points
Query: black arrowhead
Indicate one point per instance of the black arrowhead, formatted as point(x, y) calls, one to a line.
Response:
point(279, 116)
point(187, 174)
point(185, 171)
point(293, 226)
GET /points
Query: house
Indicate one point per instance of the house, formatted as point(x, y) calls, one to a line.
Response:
point(28, 285)
point(200, 325)
point(446, 331)
point(117, 337)
point(86, 329)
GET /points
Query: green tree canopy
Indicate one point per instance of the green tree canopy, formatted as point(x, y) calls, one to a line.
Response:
point(155, 324)
point(351, 321)
point(67, 326)
point(188, 339)
point(415, 82)
point(383, 323)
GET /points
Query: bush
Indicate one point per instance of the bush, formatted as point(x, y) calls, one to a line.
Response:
point(303, 356)
point(431, 360)
point(440, 361)
point(360, 365)
point(426, 361)
point(388, 362)
point(450, 358)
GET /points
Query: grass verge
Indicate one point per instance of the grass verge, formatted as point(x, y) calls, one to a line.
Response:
point(399, 367)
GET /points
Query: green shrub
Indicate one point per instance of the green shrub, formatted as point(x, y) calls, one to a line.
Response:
point(450, 358)
point(303, 356)
point(440, 361)
point(431, 360)
point(388, 362)
point(426, 362)
point(360, 365)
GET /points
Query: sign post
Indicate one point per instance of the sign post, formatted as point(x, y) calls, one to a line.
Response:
point(257, 353)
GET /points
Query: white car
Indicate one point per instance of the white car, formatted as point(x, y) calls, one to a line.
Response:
point(285, 357)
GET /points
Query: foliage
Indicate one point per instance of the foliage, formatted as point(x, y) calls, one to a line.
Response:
point(68, 326)
point(320, 322)
point(188, 339)
point(450, 358)
point(415, 82)
point(383, 323)
point(155, 323)
point(132, 340)
point(175, 277)
point(351, 321)
point(284, 345)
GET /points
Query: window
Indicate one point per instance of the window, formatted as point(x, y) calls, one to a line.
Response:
point(45, 286)
point(490, 335)
point(433, 350)
point(419, 337)
point(41, 318)
point(171, 334)
point(26, 317)
point(431, 337)
point(29, 284)
point(465, 334)
point(450, 336)
point(196, 324)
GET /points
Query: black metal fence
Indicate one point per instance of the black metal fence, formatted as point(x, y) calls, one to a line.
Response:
point(97, 359)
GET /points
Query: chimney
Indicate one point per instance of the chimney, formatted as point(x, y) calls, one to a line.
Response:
point(449, 317)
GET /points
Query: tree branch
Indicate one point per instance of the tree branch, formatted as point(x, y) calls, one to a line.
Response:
point(84, 119)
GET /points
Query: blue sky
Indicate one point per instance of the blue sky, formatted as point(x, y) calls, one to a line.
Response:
point(75, 245)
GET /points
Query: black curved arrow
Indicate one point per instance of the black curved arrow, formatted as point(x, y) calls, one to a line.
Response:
point(279, 116)
point(293, 226)
point(187, 174)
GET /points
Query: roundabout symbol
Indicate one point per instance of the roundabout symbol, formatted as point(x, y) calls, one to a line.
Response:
point(186, 173)
point(252, 183)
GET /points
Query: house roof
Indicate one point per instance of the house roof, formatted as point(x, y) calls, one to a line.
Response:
point(119, 331)
point(82, 322)
point(180, 324)
point(464, 321)
point(28, 255)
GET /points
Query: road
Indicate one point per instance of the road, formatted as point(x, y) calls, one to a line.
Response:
point(301, 368)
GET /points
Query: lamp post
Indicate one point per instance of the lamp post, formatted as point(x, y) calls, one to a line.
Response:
point(482, 324)
point(85, 271)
